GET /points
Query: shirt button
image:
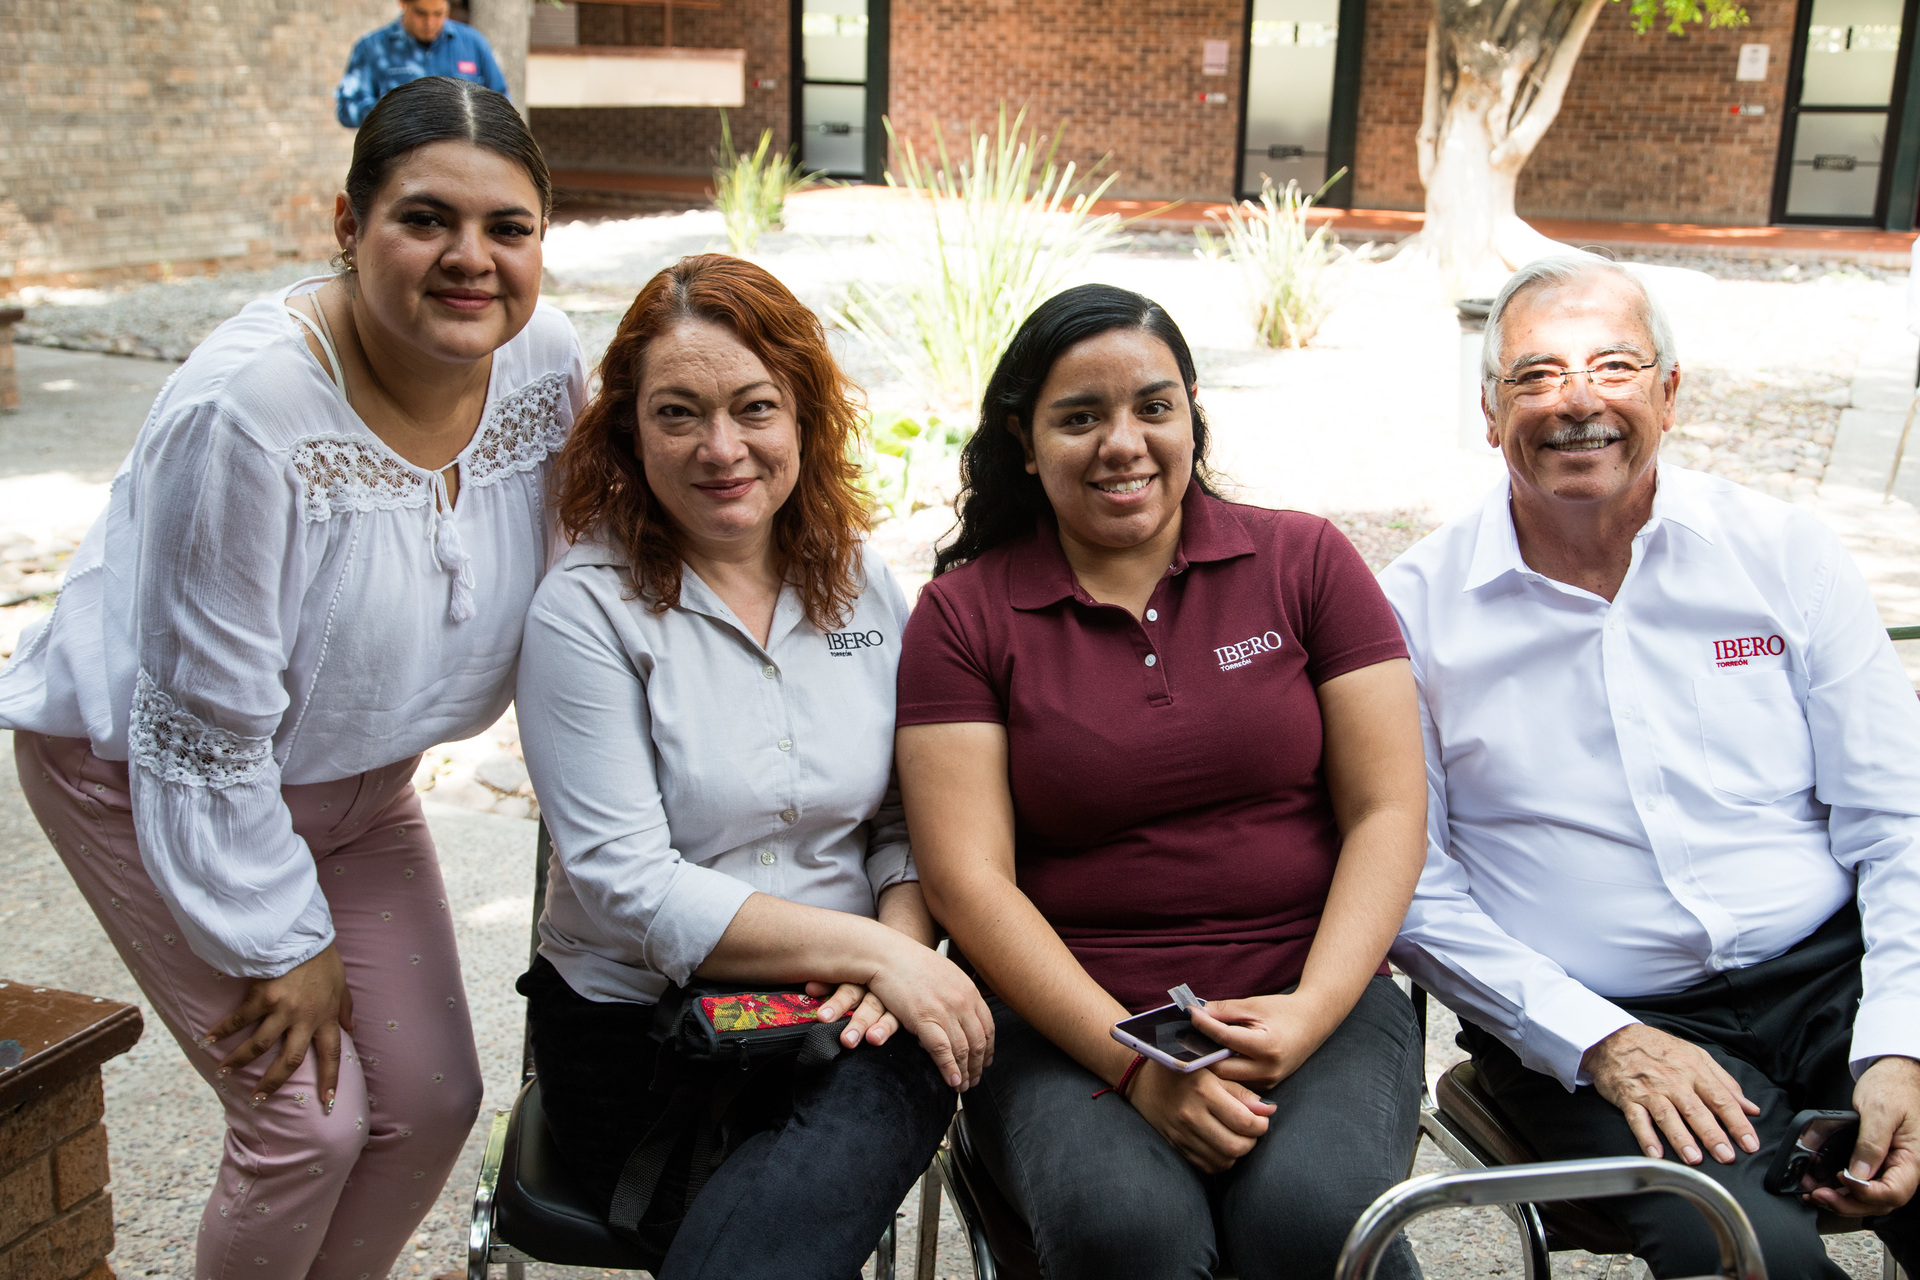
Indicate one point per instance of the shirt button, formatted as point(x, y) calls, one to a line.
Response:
point(1153, 615)
point(768, 671)
point(1151, 660)
point(1627, 714)
point(788, 815)
point(768, 857)
point(1653, 804)
point(786, 744)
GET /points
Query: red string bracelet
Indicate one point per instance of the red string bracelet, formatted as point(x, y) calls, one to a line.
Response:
point(1126, 1077)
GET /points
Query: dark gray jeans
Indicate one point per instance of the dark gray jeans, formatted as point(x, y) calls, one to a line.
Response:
point(1106, 1195)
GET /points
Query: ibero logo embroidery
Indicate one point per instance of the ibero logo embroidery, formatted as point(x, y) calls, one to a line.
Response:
point(1735, 652)
point(1234, 656)
point(844, 644)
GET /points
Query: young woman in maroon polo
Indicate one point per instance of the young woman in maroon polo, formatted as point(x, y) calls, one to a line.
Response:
point(1150, 737)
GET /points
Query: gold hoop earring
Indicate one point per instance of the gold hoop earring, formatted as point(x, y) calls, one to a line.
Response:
point(346, 260)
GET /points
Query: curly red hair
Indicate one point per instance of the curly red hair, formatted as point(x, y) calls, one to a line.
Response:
point(603, 491)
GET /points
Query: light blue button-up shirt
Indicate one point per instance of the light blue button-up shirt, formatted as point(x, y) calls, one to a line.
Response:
point(384, 60)
point(682, 766)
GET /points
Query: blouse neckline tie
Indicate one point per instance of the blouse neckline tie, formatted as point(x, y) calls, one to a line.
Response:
point(448, 550)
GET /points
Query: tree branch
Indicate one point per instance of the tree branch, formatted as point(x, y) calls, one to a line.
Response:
point(1539, 115)
point(1427, 140)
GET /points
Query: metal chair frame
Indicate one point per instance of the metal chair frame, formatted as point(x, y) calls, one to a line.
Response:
point(483, 1249)
point(1539, 1242)
point(1517, 1185)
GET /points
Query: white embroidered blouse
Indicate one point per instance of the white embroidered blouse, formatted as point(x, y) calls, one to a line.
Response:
point(275, 597)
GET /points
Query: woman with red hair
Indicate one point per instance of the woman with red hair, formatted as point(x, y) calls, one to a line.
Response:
point(706, 700)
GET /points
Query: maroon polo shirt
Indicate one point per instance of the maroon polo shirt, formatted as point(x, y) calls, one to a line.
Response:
point(1172, 818)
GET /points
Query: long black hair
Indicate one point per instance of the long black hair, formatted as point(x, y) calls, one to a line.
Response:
point(999, 501)
point(439, 109)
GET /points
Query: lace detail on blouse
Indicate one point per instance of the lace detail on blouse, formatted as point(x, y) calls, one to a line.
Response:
point(340, 473)
point(525, 428)
point(175, 745)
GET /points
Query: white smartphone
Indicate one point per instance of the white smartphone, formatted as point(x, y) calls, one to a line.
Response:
point(1167, 1035)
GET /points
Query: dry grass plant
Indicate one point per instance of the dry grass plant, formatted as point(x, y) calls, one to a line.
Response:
point(750, 189)
point(1290, 269)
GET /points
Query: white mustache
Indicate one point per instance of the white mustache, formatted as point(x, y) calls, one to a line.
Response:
point(1583, 433)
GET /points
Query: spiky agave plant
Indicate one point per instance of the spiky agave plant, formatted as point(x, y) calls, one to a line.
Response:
point(1290, 268)
point(750, 189)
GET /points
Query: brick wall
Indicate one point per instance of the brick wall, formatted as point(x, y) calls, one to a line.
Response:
point(138, 137)
point(1125, 79)
point(56, 1218)
point(1643, 135)
point(674, 139)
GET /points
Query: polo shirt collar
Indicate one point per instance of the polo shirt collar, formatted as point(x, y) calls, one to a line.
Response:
point(1208, 533)
point(1496, 544)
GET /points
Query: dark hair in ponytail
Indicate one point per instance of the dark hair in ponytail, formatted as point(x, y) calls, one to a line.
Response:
point(999, 501)
point(440, 109)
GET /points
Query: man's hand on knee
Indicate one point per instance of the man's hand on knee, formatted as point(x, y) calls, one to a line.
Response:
point(1887, 1155)
point(1666, 1085)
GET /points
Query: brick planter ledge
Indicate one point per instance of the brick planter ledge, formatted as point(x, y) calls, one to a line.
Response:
point(56, 1216)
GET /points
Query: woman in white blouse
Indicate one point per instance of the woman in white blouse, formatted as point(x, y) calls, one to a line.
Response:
point(706, 701)
point(315, 563)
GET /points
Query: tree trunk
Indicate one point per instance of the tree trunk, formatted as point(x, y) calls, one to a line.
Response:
point(1496, 75)
point(505, 24)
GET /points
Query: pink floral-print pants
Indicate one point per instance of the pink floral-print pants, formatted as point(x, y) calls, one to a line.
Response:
point(300, 1193)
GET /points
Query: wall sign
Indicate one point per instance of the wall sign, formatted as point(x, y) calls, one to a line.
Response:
point(1753, 62)
point(1213, 59)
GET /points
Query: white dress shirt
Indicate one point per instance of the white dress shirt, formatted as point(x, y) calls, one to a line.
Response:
point(681, 766)
point(274, 596)
point(1625, 799)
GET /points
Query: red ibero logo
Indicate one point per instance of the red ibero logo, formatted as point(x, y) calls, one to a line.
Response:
point(1735, 652)
point(1239, 655)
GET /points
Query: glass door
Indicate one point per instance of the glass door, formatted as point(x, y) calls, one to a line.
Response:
point(1834, 143)
point(833, 86)
point(1290, 78)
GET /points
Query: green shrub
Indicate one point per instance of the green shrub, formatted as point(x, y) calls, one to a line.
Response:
point(909, 458)
point(1289, 270)
point(750, 189)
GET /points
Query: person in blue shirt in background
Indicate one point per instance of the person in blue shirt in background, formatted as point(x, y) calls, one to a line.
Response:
point(422, 41)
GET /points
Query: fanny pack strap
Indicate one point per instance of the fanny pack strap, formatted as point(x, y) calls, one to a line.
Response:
point(700, 1105)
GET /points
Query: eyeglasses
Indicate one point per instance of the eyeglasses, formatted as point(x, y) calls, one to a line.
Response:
point(1608, 378)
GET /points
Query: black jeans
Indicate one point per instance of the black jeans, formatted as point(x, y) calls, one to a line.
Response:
point(1105, 1195)
point(1782, 1028)
point(833, 1151)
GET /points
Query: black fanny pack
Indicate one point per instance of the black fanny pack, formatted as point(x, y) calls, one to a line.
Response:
point(715, 1039)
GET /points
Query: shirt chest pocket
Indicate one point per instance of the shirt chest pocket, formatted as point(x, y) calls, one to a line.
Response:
point(1755, 735)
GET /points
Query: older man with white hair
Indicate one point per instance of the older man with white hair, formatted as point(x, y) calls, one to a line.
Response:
point(1673, 874)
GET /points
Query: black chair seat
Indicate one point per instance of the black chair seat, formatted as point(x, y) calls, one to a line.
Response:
point(538, 1209)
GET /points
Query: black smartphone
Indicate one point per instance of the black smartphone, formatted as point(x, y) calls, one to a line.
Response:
point(1819, 1153)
